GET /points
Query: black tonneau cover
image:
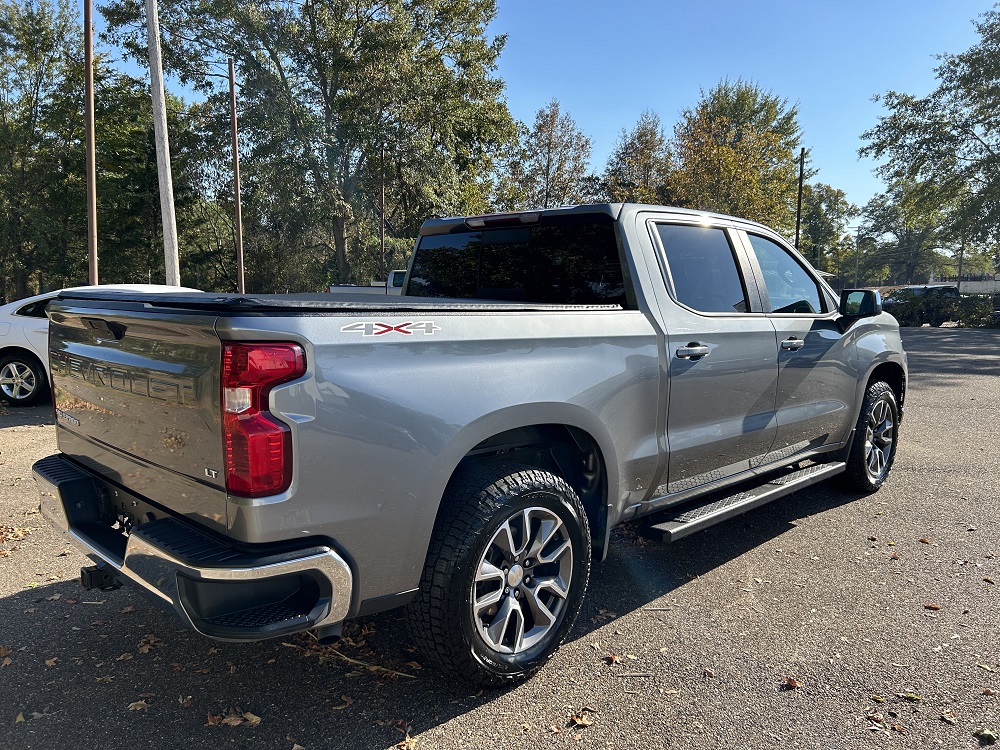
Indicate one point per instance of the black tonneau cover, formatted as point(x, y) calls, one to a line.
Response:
point(318, 303)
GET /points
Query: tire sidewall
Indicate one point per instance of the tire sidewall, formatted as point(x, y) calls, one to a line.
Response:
point(528, 661)
point(879, 391)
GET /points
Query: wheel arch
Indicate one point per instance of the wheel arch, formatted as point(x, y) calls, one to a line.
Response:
point(894, 375)
point(24, 351)
point(569, 442)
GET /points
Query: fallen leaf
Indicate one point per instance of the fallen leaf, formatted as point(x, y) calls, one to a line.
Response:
point(147, 695)
point(898, 728)
point(138, 706)
point(596, 646)
point(948, 716)
point(128, 609)
point(214, 650)
point(706, 672)
point(7, 661)
point(105, 678)
point(931, 605)
point(206, 670)
point(185, 701)
point(5, 651)
point(252, 719)
point(989, 580)
point(987, 667)
point(873, 539)
point(51, 662)
point(213, 720)
point(70, 601)
point(19, 719)
point(989, 691)
point(553, 729)
point(912, 697)
point(54, 598)
point(671, 692)
point(407, 743)
point(297, 746)
point(233, 720)
point(125, 657)
point(878, 699)
point(346, 701)
point(612, 659)
point(895, 555)
point(924, 541)
point(581, 720)
point(791, 683)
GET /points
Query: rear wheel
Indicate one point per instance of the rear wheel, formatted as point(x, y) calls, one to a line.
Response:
point(22, 380)
point(506, 573)
point(874, 447)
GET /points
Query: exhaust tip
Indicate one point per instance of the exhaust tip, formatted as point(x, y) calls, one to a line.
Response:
point(328, 634)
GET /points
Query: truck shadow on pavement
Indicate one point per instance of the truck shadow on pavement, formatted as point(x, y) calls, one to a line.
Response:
point(940, 356)
point(113, 668)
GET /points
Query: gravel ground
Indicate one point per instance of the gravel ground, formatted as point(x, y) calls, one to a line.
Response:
point(880, 607)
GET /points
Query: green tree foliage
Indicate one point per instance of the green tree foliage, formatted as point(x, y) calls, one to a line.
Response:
point(906, 226)
point(326, 88)
point(735, 153)
point(39, 150)
point(638, 170)
point(826, 212)
point(951, 137)
point(547, 166)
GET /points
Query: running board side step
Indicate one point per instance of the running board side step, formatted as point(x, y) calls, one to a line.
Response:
point(674, 523)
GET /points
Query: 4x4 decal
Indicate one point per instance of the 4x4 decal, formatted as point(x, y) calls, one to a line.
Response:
point(426, 327)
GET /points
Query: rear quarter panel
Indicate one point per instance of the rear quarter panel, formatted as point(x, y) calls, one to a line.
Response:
point(381, 422)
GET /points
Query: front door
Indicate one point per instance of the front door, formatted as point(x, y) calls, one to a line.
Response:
point(816, 373)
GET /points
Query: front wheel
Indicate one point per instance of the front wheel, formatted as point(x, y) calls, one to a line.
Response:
point(506, 573)
point(874, 447)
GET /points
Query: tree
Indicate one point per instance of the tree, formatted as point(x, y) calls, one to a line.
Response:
point(547, 166)
point(826, 213)
point(35, 155)
point(638, 170)
point(338, 98)
point(951, 137)
point(905, 224)
point(735, 154)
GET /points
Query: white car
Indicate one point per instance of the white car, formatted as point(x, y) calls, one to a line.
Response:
point(24, 340)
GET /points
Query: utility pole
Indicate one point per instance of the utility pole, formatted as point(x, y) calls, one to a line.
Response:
point(236, 178)
point(857, 255)
point(382, 213)
point(798, 209)
point(171, 264)
point(88, 56)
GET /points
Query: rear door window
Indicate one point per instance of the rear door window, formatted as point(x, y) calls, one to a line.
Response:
point(559, 260)
point(703, 268)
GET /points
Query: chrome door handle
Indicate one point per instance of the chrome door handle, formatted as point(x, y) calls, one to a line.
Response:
point(792, 344)
point(692, 350)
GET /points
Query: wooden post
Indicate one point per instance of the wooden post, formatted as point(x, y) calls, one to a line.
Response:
point(236, 178)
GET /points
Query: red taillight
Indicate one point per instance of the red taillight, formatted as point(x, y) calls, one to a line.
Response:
point(258, 447)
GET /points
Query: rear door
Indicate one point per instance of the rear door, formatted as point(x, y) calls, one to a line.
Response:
point(720, 356)
point(817, 375)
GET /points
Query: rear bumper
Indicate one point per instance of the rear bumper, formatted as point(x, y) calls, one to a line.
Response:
point(221, 591)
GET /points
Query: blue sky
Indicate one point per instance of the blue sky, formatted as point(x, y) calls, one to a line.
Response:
point(607, 62)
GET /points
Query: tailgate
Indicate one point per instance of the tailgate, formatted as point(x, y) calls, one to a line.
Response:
point(137, 399)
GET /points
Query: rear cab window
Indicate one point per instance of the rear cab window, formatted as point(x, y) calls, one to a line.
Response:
point(570, 260)
point(702, 268)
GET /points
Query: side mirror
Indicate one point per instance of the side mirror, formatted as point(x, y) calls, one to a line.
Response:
point(860, 303)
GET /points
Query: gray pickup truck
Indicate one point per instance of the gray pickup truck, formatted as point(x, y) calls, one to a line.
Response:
point(273, 464)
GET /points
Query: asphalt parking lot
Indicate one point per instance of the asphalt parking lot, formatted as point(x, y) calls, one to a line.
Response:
point(823, 620)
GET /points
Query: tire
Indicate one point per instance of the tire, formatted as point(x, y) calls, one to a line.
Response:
point(489, 611)
point(873, 449)
point(22, 380)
